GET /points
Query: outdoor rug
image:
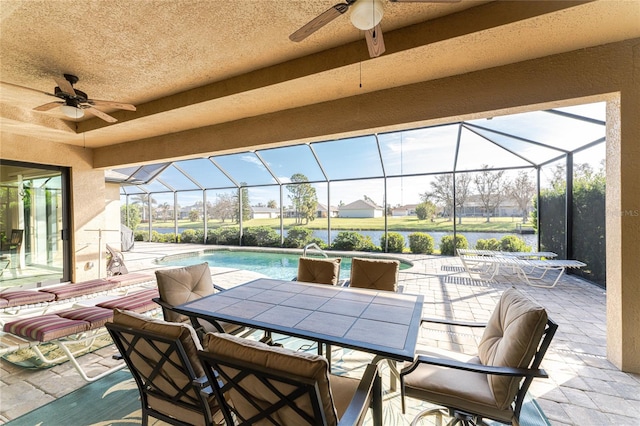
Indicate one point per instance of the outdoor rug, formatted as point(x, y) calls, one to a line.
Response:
point(114, 400)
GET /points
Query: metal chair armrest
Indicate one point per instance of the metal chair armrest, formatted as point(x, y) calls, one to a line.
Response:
point(368, 394)
point(478, 368)
point(452, 322)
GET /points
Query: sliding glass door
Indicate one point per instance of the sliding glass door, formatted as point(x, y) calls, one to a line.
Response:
point(33, 221)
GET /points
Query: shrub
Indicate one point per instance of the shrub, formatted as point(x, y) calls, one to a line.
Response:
point(227, 236)
point(260, 236)
point(393, 241)
point(189, 236)
point(490, 244)
point(447, 247)
point(165, 238)
point(298, 237)
point(512, 243)
point(141, 236)
point(352, 241)
point(419, 242)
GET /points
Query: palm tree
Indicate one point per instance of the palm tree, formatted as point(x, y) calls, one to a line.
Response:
point(144, 200)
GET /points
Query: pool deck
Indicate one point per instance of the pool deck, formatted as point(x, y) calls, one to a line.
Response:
point(584, 388)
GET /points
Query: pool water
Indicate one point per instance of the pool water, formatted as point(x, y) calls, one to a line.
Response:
point(282, 266)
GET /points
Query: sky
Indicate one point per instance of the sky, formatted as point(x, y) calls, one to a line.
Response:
point(520, 140)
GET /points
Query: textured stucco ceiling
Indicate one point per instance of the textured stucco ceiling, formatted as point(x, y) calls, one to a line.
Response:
point(191, 64)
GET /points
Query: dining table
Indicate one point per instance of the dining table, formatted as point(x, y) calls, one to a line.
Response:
point(382, 323)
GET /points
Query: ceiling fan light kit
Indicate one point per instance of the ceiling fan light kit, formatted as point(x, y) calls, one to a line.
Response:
point(72, 111)
point(366, 14)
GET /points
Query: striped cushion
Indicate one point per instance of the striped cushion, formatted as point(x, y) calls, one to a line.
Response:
point(79, 289)
point(45, 327)
point(95, 316)
point(137, 302)
point(25, 297)
point(130, 279)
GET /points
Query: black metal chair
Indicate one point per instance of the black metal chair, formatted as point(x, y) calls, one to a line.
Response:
point(261, 384)
point(490, 385)
point(162, 359)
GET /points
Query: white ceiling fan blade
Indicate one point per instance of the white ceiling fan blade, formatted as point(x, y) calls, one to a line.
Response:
point(100, 114)
point(375, 41)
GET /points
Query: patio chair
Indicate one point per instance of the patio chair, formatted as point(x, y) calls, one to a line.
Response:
point(115, 265)
point(260, 384)
point(182, 285)
point(319, 271)
point(162, 358)
point(375, 274)
point(493, 383)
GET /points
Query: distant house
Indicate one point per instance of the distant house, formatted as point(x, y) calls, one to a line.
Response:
point(264, 213)
point(361, 208)
point(321, 212)
point(508, 207)
point(406, 210)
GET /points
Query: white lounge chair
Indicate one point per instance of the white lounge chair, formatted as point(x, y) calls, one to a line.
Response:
point(525, 268)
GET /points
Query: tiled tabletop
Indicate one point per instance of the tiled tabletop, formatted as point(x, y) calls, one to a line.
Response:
point(378, 322)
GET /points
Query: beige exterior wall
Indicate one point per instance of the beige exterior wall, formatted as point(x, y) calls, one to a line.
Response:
point(610, 72)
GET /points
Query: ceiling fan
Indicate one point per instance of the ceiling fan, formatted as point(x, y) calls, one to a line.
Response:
point(365, 15)
point(74, 103)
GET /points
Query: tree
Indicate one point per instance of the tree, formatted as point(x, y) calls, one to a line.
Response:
point(243, 193)
point(442, 193)
point(425, 210)
point(303, 197)
point(463, 190)
point(522, 190)
point(225, 207)
point(165, 208)
point(130, 215)
point(490, 189)
point(194, 215)
point(272, 204)
point(144, 200)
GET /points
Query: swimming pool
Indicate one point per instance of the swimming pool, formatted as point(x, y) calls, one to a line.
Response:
point(277, 265)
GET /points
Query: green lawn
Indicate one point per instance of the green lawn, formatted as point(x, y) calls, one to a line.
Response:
point(475, 224)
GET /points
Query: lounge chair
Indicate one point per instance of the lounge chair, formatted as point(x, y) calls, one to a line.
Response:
point(516, 254)
point(116, 265)
point(78, 327)
point(524, 268)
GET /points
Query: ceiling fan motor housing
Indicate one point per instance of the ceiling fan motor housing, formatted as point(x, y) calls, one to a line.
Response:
point(79, 95)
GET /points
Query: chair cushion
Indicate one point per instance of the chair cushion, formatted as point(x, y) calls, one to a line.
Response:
point(308, 365)
point(84, 288)
point(320, 271)
point(94, 315)
point(44, 328)
point(140, 301)
point(376, 274)
point(26, 297)
point(510, 339)
point(182, 285)
point(450, 387)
